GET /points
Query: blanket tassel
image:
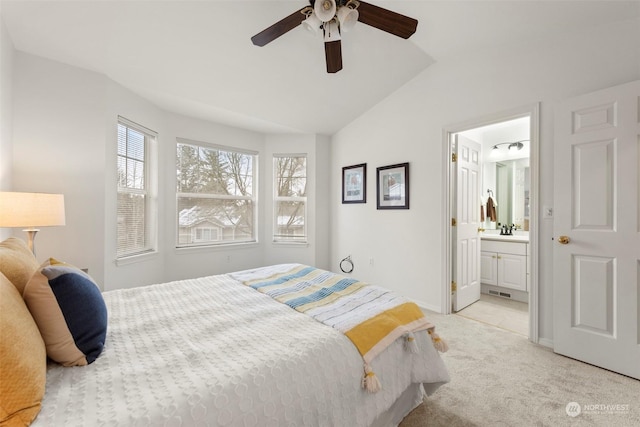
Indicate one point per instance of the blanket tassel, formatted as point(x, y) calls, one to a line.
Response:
point(438, 342)
point(370, 382)
point(410, 343)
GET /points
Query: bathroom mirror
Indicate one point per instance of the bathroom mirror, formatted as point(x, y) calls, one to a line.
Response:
point(507, 183)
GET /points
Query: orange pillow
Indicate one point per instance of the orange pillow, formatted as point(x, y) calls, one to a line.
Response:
point(17, 262)
point(23, 359)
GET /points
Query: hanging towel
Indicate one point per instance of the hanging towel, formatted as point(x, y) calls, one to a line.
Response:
point(481, 213)
point(491, 210)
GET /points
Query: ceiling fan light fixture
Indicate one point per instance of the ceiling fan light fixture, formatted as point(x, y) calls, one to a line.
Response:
point(325, 10)
point(312, 24)
point(331, 31)
point(347, 18)
point(332, 25)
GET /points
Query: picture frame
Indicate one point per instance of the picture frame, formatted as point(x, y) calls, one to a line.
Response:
point(354, 184)
point(392, 186)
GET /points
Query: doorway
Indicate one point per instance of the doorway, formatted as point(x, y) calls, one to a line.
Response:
point(508, 266)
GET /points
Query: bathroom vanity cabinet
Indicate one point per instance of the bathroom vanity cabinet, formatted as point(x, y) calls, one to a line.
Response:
point(504, 264)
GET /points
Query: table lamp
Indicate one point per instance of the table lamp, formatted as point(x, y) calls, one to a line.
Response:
point(31, 210)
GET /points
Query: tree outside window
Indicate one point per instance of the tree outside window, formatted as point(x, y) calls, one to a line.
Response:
point(290, 198)
point(215, 191)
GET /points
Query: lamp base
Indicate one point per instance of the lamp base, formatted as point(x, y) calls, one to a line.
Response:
point(31, 234)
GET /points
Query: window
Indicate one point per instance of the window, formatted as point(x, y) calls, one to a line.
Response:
point(136, 201)
point(205, 234)
point(290, 198)
point(216, 194)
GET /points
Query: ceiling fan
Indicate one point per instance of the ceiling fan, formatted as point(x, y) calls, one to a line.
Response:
point(333, 17)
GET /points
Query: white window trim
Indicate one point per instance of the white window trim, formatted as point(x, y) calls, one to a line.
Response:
point(280, 240)
point(214, 248)
point(151, 183)
point(253, 199)
point(132, 259)
point(217, 146)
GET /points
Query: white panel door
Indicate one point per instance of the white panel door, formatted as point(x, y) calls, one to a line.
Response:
point(467, 214)
point(597, 229)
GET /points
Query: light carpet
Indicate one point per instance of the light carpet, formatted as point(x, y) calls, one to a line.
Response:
point(499, 378)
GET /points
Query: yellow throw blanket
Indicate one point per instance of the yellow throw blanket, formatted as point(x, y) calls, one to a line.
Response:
point(370, 316)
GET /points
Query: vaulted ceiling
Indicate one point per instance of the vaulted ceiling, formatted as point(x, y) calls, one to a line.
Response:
point(196, 57)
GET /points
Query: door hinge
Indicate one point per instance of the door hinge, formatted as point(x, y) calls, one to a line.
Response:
point(454, 222)
point(454, 157)
point(454, 286)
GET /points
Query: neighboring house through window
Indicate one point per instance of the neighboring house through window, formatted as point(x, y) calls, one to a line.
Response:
point(136, 210)
point(216, 194)
point(290, 198)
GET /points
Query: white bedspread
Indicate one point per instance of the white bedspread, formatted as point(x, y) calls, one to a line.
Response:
point(211, 351)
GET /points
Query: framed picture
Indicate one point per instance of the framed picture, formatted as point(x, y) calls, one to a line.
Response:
point(392, 184)
point(354, 184)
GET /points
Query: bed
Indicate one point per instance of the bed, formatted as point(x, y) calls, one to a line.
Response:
point(217, 351)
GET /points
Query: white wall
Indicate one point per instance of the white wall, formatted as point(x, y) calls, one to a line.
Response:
point(64, 136)
point(324, 196)
point(122, 102)
point(6, 114)
point(195, 262)
point(64, 141)
point(59, 147)
point(316, 250)
point(406, 246)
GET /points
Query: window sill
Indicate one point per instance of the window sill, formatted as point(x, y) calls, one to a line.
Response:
point(291, 244)
point(132, 259)
point(213, 248)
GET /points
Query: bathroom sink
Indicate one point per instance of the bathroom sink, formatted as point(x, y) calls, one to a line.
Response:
point(513, 238)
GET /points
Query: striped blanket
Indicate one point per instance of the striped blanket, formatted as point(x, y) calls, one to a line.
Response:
point(371, 317)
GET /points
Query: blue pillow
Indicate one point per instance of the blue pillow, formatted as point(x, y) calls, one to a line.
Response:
point(70, 312)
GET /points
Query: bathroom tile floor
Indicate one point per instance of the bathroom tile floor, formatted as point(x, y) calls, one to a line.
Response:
point(501, 312)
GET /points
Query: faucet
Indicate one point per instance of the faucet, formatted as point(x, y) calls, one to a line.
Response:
point(507, 230)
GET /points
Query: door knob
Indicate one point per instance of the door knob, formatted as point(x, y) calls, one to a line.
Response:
point(480, 230)
point(563, 240)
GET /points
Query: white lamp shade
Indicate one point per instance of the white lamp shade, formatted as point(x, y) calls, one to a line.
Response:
point(312, 23)
point(31, 209)
point(331, 31)
point(347, 17)
point(325, 10)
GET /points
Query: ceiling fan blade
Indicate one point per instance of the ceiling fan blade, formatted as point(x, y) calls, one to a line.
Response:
point(386, 20)
point(279, 28)
point(333, 54)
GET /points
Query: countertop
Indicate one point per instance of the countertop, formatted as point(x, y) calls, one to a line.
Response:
point(518, 238)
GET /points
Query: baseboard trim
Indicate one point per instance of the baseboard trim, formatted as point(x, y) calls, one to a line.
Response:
point(546, 342)
point(430, 307)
